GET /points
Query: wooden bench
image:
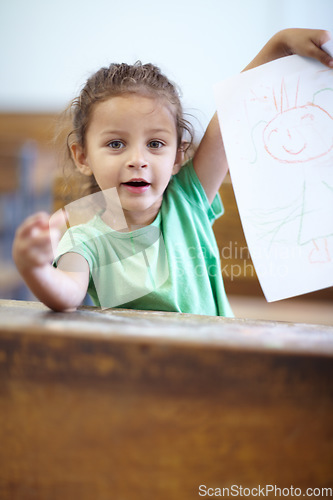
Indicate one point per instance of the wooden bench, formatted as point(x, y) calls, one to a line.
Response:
point(117, 404)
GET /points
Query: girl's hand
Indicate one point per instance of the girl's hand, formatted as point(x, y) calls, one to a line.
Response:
point(32, 252)
point(304, 42)
point(32, 245)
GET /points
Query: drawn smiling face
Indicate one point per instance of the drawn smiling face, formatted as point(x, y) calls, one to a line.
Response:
point(293, 136)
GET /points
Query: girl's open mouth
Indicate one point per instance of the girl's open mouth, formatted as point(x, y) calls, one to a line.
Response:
point(136, 186)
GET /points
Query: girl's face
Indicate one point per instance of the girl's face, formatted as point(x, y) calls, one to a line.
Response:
point(131, 144)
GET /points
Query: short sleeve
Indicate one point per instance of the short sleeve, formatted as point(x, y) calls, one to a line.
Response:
point(74, 240)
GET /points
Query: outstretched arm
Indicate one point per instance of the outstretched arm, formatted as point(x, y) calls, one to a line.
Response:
point(59, 289)
point(209, 161)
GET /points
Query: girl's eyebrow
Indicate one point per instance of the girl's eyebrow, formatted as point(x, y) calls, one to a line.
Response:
point(149, 131)
point(113, 132)
point(160, 130)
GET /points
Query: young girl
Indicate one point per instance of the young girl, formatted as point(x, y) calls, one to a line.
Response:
point(150, 243)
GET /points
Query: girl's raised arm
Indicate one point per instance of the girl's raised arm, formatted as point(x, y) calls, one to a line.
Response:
point(210, 161)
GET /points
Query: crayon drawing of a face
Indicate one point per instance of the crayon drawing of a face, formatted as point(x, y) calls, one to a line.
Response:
point(299, 133)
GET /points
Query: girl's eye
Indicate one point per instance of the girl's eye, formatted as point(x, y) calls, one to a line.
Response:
point(155, 144)
point(116, 144)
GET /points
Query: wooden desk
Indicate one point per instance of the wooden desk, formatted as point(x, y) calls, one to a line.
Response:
point(99, 405)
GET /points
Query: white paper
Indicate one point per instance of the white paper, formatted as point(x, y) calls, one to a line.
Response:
point(277, 127)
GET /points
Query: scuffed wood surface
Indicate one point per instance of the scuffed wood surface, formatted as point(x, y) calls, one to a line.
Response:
point(127, 325)
point(145, 405)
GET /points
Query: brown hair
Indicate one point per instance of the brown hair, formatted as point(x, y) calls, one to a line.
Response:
point(116, 80)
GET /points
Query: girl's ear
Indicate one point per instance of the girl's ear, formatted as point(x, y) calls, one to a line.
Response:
point(179, 160)
point(80, 159)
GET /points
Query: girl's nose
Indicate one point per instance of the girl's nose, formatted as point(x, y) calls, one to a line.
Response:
point(137, 159)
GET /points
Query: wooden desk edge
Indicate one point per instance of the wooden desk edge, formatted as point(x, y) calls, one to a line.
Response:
point(167, 328)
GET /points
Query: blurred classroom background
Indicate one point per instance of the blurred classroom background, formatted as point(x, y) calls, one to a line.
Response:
point(48, 51)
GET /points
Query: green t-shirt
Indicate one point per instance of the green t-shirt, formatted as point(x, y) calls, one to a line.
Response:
point(171, 265)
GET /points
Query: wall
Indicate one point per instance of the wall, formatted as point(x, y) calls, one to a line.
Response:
point(49, 48)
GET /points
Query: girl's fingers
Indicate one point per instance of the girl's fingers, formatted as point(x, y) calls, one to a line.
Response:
point(323, 57)
point(44, 238)
point(311, 46)
point(39, 220)
point(319, 38)
point(34, 242)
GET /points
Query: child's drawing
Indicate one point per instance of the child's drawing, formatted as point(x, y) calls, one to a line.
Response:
point(282, 170)
point(299, 134)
